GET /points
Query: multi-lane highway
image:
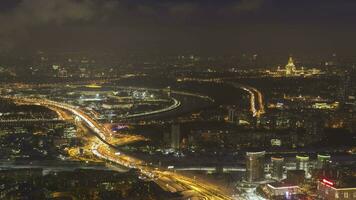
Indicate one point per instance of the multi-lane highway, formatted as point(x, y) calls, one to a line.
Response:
point(257, 107)
point(175, 105)
point(168, 180)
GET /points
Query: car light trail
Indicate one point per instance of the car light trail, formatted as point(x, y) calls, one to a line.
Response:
point(166, 179)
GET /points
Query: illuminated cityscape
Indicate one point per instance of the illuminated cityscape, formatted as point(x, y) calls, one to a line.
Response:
point(291, 70)
point(177, 100)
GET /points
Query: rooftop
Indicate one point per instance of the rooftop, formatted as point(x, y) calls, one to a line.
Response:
point(282, 185)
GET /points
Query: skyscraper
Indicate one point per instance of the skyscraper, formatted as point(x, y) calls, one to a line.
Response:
point(347, 91)
point(175, 136)
point(323, 160)
point(302, 162)
point(255, 166)
point(290, 67)
point(277, 167)
point(314, 126)
point(232, 115)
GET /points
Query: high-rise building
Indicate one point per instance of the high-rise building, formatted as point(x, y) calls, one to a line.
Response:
point(347, 91)
point(168, 91)
point(314, 126)
point(336, 189)
point(290, 67)
point(277, 167)
point(255, 166)
point(323, 160)
point(296, 177)
point(302, 162)
point(232, 115)
point(175, 136)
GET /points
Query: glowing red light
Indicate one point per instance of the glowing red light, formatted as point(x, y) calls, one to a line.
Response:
point(327, 182)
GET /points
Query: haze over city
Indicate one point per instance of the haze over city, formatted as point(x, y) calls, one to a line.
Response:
point(271, 27)
point(178, 100)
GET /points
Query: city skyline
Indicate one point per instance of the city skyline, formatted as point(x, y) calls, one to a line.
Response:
point(177, 100)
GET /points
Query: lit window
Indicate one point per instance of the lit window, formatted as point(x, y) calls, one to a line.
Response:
point(346, 195)
point(354, 194)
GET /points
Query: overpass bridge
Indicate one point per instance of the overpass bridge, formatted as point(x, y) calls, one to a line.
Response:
point(10, 122)
point(48, 166)
point(208, 169)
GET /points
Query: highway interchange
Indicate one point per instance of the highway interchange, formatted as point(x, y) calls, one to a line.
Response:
point(102, 147)
point(171, 181)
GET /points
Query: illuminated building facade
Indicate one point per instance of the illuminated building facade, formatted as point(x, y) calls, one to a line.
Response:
point(332, 190)
point(302, 162)
point(232, 115)
point(255, 166)
point(290, 67)
point(291, 70)
point(282, 190)
point(277, 167)
point(323, 160)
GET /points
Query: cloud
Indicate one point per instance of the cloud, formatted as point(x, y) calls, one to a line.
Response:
point(183, 9)
point(34, 13)
point(44, 11)
point(31, 13)
point(201, 9)
point(248, 5)
point(241, 7)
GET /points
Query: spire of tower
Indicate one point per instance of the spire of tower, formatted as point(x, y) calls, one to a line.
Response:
point(290, 67)
point(290, 61)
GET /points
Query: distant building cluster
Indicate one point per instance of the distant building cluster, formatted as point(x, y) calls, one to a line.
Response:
point(301, 178)
point(291, 70)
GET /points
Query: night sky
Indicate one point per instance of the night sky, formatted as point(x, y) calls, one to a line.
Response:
point(308, 27)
